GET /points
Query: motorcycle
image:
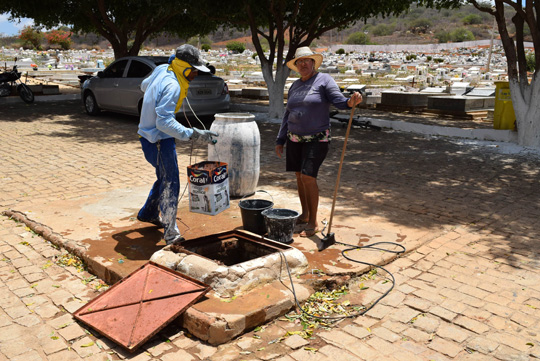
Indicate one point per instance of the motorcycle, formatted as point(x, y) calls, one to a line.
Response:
point(11, 78)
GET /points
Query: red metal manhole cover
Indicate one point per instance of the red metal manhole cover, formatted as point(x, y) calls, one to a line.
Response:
point(141, 304)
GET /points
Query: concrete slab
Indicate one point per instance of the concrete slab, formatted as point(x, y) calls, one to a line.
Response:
point(356, 87)
point(481, 92)
point(404, 100)
point(256, 93)
point(433, 90)
point(41, 98)
point(460, 103)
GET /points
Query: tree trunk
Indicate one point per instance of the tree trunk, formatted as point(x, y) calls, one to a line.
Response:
point(276, 88)
point(276, 95)
point(526, 103)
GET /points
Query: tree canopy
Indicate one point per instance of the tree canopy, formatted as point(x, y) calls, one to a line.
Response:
point(126, 24)
point(291, 24)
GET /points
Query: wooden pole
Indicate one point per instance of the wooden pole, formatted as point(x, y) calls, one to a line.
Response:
point(339, 169)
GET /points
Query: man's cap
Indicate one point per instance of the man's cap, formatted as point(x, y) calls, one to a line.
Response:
point(191, 55)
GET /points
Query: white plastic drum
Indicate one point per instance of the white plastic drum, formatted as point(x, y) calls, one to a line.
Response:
point(238, 145)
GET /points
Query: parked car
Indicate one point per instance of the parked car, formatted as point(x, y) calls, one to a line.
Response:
point(117, 89)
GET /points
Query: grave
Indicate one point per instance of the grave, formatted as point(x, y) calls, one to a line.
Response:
point(433, 90)
point(356, 88)
point(255, 93)
point(402, 100)
point(463, 106)
point(459, 88)
point(481, 92)
point(461, 103)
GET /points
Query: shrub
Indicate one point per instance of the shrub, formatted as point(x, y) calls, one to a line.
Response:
point(236, 46)
point(461, 34)
point(198, 41)
point(442, 36)
point(31, 37)
point(340, 51)
point(472, 19)
point(383, 29)
point(358, 38)
point(206, 47)
point(420, 25)
point(411, 57)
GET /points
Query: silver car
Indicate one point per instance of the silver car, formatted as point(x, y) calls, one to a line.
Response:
point(117, 89)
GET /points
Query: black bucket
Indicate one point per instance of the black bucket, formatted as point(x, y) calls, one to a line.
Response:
point(251, 211)
point(280, 224)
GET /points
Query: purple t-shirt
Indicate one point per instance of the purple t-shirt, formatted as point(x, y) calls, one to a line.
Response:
point(308, 106)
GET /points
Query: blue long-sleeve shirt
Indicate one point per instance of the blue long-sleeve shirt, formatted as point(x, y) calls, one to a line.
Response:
point(161, 92)
point(308, 106)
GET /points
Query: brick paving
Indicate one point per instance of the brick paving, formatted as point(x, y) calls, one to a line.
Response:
point(472, 293)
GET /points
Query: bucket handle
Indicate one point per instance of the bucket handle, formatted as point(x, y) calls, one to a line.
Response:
point(259, 190)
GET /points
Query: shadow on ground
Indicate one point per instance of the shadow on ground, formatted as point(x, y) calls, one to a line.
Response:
point(406, 179)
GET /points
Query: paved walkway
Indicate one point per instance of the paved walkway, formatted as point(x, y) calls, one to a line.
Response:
point(469, 293)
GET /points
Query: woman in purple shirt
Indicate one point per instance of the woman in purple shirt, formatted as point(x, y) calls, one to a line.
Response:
point(306, 129)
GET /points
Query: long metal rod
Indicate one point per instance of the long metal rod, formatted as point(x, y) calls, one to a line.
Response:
point(339, 170)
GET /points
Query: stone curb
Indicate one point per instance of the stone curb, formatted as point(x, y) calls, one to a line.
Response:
point(41, 98)
point(94, 266)
point(496, 135)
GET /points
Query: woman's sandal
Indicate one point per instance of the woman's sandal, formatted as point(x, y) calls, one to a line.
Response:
point(308, 232)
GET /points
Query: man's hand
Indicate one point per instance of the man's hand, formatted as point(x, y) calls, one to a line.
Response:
point(205, 135)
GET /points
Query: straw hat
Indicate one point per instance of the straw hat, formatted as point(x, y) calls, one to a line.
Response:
point(305, 52)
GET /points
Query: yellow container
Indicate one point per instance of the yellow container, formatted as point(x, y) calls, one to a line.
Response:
point(503, 116)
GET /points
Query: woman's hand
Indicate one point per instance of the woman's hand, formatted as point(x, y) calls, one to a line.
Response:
point(279, 150)
point(354, 100)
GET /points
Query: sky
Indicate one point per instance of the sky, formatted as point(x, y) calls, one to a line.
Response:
point(12, 28)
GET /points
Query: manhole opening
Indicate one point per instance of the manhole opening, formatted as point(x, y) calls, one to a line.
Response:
point(228, 251)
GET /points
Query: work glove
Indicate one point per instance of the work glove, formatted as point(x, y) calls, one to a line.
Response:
point(205, 135)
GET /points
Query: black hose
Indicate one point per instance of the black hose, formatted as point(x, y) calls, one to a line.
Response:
point(352, 247)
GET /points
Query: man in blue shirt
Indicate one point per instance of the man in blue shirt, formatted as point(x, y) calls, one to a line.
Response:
point(164, 91)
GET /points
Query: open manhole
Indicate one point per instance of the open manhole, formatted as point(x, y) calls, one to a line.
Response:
point(230, 248)
point(232, 262)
